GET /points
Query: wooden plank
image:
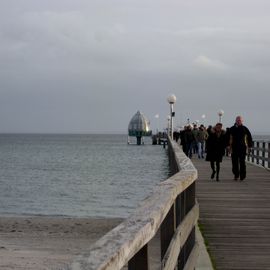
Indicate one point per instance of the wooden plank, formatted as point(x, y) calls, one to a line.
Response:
point(182, 232)
point(235, 216)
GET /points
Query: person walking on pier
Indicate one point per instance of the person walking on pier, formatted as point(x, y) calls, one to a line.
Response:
point(195, 132)
point(200, 139)
point(189, 141)
point(240, 142)
point(216, 144)
point(183, 140)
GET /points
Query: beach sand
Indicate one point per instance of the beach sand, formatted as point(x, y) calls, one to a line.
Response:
point(36, 243)
point(43, 243)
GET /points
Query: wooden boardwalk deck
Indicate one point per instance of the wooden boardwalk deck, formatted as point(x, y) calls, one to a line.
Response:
point(235, 216)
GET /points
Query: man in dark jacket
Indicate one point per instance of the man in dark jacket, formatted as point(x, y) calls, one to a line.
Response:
point(240, 142)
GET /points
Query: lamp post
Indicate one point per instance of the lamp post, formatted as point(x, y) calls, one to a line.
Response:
point(171, 100)
point(220, 113)
point(169, 124)
point(157, 117)
point(203, 118)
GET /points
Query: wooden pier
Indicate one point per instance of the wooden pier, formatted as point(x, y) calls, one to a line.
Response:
point(235, 216)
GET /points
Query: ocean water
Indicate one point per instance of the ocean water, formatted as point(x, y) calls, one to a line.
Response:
point(77, 175)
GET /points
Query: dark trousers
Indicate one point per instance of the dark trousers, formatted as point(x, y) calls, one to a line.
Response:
point(215, 166)
point(239, 165)
point(189, 147)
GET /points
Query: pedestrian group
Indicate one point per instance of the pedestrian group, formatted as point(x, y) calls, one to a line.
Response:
point(216, 142)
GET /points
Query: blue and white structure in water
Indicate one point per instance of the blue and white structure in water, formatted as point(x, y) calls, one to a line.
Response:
point(139, 126)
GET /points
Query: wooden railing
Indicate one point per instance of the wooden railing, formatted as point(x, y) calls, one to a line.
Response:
point(260, 153)
point(170, 209)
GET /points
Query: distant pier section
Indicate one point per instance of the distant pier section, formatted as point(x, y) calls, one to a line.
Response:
point(160, 138)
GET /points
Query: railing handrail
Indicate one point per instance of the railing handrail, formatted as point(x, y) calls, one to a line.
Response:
point(261, 140)
point(117, 247)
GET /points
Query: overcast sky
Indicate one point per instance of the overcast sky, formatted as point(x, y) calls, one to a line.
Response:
point(87, 66)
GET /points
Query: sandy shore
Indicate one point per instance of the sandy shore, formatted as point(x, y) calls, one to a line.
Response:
point(36, 243)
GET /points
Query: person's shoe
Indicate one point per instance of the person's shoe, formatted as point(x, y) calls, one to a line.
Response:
point(236, 178)
point(217, 178)
point(213, 174)
point(242, 178)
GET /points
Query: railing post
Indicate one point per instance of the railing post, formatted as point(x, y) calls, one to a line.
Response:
point(187, 201)
point(191, 190)
point(258, 153)
point(191, 200)
point(140, 260)
point(268, 155)
point(263, 154)
point(167, 230)
point(252, 152)
point(181, 208)
point(249, 156)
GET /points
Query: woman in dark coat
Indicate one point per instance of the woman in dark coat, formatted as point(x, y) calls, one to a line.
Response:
point(216, 144)
point(189, 141)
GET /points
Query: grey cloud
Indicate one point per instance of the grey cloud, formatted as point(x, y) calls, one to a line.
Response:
point(81, 66)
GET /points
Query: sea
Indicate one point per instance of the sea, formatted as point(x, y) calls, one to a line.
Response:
point(77, 175)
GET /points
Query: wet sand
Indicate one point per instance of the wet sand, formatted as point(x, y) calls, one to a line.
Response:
point(36, 243)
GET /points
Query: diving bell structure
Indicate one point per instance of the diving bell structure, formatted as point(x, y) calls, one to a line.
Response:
point(138, 127)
